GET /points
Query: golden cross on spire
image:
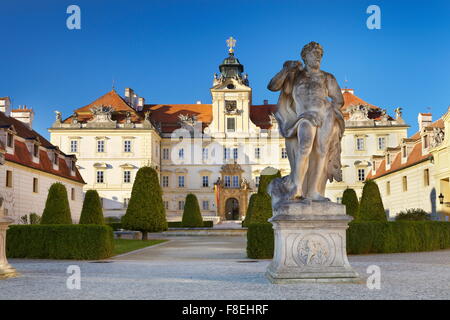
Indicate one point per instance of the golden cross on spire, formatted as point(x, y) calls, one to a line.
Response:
point(231, 43)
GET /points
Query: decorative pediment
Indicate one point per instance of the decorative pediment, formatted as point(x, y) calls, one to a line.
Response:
point(101, 165)
point(231, 168)
point(101, 117)
point(359, 113)
point(128, 166)
point(205, 172)
point(181, 170)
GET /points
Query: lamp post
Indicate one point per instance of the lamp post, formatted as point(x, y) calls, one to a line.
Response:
point(441, 198)
point(6, 271)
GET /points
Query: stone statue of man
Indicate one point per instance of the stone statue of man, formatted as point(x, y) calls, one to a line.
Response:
point(310, 119)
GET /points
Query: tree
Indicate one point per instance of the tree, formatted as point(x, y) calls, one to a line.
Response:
point(262, 204)
point(192, 217)
point(57, 209)
point(145, 212)
point(92, 212)
point(250, 209)
point(350, 200)
point(371, 207)
point(414, 214)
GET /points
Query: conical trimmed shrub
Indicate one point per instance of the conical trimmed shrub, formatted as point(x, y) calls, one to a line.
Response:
point(267, 175)
point(262, 209)
point(57, 209)
point(92, 212)
point(371, 207)
point(250, 209)
point(145, 212)
point(192, 217)
point(350, 200)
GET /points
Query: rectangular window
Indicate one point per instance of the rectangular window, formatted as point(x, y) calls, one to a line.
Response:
point(35, 185)
point(9, 179)
point(284, 154)
point(226, 153)
point(72, 194)
point(235, 181)
point(361, 174)
point(72, 165)
point(231, 124)
point(101, 146)
point(235, 153)
point(257, 153)
point(35, 150)
point(425, 141)
point(100, 177)
point(205, 205)
point(127, 146)
point(405, 183)
point(165, 154)
point(165, 181)
point(181, 153)
point(359, 144)
point(339, 199)
point(257, 181)
point(426, 177)
point(404, 151)
point(127, 176)
point(381, 143)
point(10, 140)
point(55, 158)
point(181, 181)
point(388, 188)
point(126, 201)
point(205, 153)
point(205, 181)
point(227, 181)
point(166, 205)
point(73, 146)
point(181, 205)
point(388, 158)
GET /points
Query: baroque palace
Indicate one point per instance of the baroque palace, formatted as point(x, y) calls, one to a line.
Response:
point(216, 151)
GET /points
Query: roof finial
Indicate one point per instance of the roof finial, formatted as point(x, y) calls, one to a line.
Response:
point(113, 84)
point(231, 43)
point(346, 81)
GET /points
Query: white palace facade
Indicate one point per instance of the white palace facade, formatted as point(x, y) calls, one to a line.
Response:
point(216, 151)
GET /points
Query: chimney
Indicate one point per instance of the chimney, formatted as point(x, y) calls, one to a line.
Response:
point(129, 95)
point(141, 102)
point(424, 119)
point(24, 115)
point(5, 104)
point(266, 102)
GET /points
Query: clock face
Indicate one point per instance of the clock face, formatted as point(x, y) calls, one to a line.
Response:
point(231, 86)
point(230, 105)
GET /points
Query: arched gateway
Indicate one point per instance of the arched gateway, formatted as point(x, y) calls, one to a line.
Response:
point(232, 209)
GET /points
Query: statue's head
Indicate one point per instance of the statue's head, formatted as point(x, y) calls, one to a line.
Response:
point(312, 54)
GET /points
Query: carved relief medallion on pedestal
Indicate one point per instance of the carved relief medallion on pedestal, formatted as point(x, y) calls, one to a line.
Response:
point(313, 250)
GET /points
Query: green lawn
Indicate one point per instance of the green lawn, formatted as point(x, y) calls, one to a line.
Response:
point(125, 245)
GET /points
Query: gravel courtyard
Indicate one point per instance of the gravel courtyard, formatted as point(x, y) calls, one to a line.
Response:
point(216, 267)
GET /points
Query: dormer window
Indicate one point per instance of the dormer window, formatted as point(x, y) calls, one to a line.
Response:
point(35, 150)
point(55, 159)
point(388, 159)
point(231, 124)
point(404, 152)
point(425, 141)
point(72, 165)
point(9, 140)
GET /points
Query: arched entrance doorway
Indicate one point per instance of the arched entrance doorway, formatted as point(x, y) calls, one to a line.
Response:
point(232, 209)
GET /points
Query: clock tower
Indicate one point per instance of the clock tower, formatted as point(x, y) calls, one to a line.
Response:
point(231, 99)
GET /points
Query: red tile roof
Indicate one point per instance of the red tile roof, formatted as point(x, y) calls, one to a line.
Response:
point(414, 157)
point(23, 156)
point(167, 114)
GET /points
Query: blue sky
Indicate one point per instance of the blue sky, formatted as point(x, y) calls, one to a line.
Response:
point(168, 50)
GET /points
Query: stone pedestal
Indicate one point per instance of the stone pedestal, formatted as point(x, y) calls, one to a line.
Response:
point(6, 271)
point(310, 243)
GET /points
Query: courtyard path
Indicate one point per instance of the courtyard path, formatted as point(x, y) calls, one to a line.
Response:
point(210, 267)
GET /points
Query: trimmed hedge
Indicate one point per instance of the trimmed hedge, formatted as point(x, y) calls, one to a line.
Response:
point(250, 209)
point(260, 241)
point(145, 210)
point(92, 211)
point(192, 217)
point(371, 206)
point(366, 237)
point(398, 236)
point(350, 200)
point(57, 209)
point(80, 242)
point(178, 224)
